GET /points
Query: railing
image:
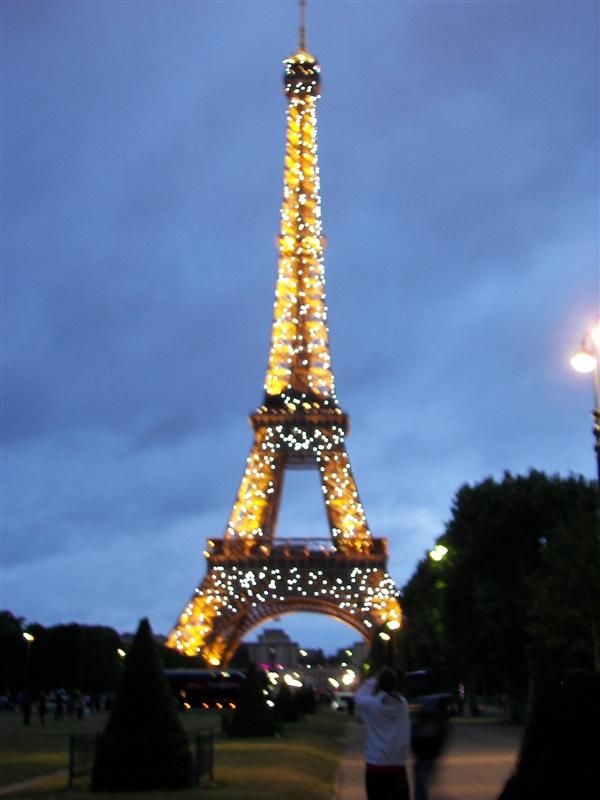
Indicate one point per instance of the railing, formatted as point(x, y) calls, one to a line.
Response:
point(82, 750)
point(263, 548)
point(81, 756)
point(204, 757)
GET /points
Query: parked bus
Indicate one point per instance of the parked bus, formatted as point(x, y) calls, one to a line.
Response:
point(204, 688)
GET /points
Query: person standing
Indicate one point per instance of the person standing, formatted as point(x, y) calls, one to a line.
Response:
point(429, 733)
point(385, 713)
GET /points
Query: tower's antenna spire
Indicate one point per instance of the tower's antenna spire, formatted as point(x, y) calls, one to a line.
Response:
point(302, 24)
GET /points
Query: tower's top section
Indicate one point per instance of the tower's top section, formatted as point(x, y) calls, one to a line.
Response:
point(302, 75)
point(299, 376)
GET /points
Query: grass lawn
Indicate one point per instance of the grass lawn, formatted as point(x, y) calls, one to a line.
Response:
point(300, 765)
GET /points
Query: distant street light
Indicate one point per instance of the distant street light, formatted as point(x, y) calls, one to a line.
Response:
point(121, 653)
point(438, 552)
point(587, 360)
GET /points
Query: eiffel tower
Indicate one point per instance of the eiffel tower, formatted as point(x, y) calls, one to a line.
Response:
point(252, 576)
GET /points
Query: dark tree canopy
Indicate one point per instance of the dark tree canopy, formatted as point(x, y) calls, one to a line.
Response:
point(518, 591)
point(82, 657)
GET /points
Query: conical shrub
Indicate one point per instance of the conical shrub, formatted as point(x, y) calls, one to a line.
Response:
point(253, 717)
point(306, 700)
point(144, 745)
point(285, 705)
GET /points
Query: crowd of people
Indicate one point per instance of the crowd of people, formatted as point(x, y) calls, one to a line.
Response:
point(57, 704)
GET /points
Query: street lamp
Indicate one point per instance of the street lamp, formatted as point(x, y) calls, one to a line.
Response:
point(438, 552)
point(587, 360)
point(389, 637)
point(29, 638)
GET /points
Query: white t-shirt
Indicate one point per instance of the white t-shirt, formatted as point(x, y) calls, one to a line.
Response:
point(388, 725)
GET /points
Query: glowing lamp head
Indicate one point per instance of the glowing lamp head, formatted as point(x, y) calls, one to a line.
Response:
point(438, 552)
point(584, 361)
point(29, 637)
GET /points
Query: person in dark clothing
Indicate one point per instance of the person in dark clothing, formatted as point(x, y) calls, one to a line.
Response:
point(429, 733)
point(560, 754)
point(42, 708)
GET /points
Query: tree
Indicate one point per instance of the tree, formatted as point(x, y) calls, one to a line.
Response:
point(285, 704)
point(518, 585)
point(252, 717)
point(144, 745)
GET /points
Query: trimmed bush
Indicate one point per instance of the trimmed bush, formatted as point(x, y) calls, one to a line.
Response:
point(253, 717)
point(144, 745)
point(306, 700)
point(285, 705)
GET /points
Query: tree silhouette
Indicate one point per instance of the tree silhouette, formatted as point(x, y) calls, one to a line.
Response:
point(252, 717)
point(144, 745)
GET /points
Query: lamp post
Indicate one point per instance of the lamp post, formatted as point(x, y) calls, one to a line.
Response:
point(389, 637)
point(438, 552)
point(587, 360)
point(29, 638)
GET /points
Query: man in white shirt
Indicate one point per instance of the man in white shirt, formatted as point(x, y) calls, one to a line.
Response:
point(385, 713)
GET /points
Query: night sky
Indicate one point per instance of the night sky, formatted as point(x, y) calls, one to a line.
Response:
point(142, 177)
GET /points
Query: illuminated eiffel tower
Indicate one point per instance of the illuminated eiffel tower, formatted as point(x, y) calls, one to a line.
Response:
point(251, 575)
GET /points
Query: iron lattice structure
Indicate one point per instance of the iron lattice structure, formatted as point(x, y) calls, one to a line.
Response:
point(252, 576)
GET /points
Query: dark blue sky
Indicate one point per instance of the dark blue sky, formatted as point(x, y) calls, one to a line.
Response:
point(142, 173)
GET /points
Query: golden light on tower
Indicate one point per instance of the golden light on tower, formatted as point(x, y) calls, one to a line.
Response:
point(251, 575)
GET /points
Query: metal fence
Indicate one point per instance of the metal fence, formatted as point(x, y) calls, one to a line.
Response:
point(82, 750)
point(81, 756)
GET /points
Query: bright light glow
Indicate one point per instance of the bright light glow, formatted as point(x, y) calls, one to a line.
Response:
point(385, 636)
point(296, 684)
point(438, 552)
point(273, 677)
point(348, 677)
point(334, 683)
point(393, 624)
point(595, 335)
point(270, 703)
point(121, 653)
point(303, 653)
point(28, 636)
point(584, 361)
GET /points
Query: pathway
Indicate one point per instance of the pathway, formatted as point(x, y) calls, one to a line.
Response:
point(478, 759)
point(14, 788)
